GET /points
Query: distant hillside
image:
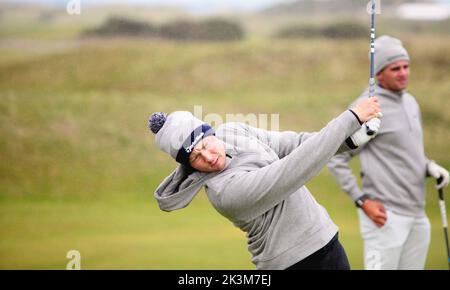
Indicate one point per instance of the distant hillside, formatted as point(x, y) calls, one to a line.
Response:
point(10, 12)
point(53, 22)
point(314, 7)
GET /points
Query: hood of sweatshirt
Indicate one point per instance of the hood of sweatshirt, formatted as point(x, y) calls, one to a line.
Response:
point(179, 188)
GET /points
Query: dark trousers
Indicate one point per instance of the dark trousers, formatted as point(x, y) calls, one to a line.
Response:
point(330, 257)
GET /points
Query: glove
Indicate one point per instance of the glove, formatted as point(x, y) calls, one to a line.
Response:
point(437, 172)
point(360, 137)
point(370, 124)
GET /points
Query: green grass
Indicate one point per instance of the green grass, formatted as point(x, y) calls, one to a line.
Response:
point(129, 232)
point(78, 165)
point(117, 233)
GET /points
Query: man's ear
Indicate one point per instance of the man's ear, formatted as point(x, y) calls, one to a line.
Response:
point(379, 76)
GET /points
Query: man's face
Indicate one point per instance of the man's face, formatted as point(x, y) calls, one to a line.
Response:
point(208, 155)
point(395, 76)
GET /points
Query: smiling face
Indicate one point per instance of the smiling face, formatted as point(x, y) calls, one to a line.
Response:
point(395, 76)
point(208, 155)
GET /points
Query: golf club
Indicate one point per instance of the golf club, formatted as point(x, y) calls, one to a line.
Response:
point(444, 218)
point(371, 131)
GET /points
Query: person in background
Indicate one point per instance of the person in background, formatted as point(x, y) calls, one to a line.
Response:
point(391, 203)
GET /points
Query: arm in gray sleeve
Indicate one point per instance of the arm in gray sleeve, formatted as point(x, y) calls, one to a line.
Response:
point(283, 143)
point(341, 171)
point(250, 193)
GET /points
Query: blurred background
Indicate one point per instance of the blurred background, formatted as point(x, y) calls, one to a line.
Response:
point(78, 165)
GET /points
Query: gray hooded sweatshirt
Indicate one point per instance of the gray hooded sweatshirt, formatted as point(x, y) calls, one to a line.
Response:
point(393, 164)
point(261, 189)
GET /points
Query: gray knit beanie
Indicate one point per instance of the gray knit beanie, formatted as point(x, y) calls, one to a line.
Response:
point(387, 51)
point(178, 133)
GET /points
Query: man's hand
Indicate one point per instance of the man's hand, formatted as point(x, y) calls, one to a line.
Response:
point(375, 211)
point(438, 172)
point(367, 109)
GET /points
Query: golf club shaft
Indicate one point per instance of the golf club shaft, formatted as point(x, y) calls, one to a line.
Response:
point(444, 219)
point(372, 53)
point(370, 131)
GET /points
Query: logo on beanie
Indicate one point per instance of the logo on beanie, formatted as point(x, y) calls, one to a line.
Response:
point(191, 147)
point(188, 146)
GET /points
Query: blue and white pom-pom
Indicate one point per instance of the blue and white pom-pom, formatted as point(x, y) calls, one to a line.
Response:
point(156, 121)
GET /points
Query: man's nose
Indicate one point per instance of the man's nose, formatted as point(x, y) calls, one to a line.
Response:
point(207, 156)
point(404, 71)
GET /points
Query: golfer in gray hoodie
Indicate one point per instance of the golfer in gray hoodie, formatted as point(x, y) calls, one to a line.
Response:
point(256, 179)
point(394, 226)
